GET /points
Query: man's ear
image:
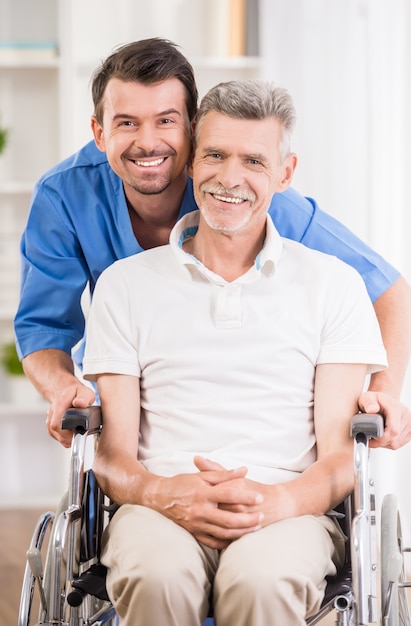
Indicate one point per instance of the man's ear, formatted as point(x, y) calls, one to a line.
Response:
point(98, 134)
point(289, 166)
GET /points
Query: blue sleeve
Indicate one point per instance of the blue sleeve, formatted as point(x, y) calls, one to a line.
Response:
point(301, 219)
point(54, 276)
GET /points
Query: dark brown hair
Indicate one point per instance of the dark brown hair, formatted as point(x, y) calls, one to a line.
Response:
point(146, 61)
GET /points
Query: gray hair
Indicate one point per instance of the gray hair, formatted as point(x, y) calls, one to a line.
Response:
point(252, 100)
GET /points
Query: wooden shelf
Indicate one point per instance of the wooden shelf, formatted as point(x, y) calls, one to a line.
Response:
point(227, 62)
point(29, 64)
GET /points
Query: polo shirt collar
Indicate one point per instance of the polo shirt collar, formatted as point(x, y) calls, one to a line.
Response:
point(266, 260)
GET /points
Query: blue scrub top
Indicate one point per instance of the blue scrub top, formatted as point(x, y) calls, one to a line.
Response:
point(79, 224)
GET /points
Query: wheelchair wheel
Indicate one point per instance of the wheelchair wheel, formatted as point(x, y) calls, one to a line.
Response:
point(391, 550)
point(26, 616)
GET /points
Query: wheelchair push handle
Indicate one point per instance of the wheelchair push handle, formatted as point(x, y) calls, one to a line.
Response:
point(371, 425)
point(82, 420)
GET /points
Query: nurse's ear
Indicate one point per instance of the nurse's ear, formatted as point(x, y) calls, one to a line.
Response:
point(98, 133)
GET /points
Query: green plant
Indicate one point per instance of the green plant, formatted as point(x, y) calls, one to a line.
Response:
point(3, 138)
point(10, 360)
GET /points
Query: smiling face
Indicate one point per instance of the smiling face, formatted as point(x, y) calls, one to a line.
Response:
point(236, 170)
point(145, 133)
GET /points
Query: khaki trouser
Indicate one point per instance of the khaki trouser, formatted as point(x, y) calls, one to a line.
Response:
point(160, 575)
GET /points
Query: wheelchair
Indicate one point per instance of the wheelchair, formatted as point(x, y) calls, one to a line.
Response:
point(69, 589)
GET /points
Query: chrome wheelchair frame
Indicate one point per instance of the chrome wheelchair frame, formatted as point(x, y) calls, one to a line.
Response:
point(71, 585)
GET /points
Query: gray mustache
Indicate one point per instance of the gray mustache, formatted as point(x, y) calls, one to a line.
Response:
point(219, 190)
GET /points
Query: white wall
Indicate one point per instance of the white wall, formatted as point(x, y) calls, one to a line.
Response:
point(347, 64)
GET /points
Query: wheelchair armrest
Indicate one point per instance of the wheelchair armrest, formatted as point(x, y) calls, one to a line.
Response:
point(82, 420)
point(369, 424)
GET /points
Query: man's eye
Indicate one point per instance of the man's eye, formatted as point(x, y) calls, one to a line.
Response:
point(166, 120)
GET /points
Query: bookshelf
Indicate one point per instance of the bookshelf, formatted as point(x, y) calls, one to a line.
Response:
point(29, 88)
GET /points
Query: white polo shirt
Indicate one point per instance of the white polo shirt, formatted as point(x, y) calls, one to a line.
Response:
point(227, 369)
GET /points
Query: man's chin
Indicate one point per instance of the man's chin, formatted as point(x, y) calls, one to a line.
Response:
point(226, 226)
point(151, 189)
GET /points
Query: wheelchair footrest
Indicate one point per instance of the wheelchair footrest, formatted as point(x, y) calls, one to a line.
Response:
point(338, 585)
point(91, 582)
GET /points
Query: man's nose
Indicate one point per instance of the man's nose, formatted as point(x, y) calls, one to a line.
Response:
point(146, 137)
point(230, 173)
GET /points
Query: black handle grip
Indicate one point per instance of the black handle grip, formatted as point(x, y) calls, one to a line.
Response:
point(82, 420)
point(368, 424)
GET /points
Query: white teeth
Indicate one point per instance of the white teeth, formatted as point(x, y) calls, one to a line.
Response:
point(229, 199)
point(149, 163)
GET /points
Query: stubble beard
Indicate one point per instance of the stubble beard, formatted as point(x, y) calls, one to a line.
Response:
point(150, 187)
point(221, 224)
point(152, 191)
